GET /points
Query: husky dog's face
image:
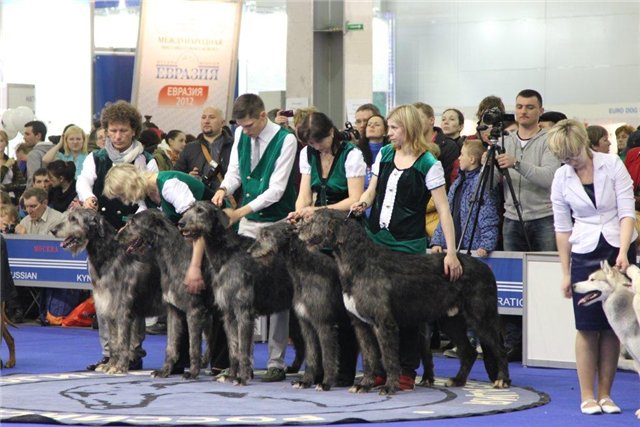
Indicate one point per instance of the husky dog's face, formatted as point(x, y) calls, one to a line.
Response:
point(600, 284)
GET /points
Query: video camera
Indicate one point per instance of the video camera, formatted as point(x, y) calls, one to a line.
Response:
point(494, 116)
point(345, 135)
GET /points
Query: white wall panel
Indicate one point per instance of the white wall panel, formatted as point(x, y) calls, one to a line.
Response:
point(574, 52)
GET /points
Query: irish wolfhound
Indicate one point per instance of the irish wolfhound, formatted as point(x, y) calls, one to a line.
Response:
point(243, 287)
point(125, 286)
point(152, 235)
point(317, 302)
point(386, 290)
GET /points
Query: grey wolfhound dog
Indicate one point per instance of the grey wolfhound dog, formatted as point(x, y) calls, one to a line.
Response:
point(386, 290)
point(150, 233)
point(125, 287)
point(243, 287)
point(317, 302)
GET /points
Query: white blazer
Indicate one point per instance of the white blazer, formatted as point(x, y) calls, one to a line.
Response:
point(613, 190)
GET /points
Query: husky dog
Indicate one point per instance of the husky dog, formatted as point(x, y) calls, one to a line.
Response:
point(620, 304)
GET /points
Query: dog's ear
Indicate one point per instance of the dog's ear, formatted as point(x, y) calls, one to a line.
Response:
point(223, 219)
point(98, 223)
point(604, 265)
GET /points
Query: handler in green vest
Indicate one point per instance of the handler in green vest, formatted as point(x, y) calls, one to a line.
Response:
point(261, 161)
point(332, 171)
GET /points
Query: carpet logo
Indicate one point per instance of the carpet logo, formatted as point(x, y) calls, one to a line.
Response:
point(136, 399)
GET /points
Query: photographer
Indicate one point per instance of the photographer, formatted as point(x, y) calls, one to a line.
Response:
point(531, 165)
point(208, 156)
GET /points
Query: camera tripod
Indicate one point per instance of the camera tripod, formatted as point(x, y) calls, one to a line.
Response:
point(486, 177)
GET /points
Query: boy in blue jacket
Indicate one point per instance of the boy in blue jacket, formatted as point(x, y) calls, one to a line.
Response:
point(485, 238)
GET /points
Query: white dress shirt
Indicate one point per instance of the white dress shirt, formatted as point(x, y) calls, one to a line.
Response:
point(279, 177)
point(613, 190)
point(88, 176)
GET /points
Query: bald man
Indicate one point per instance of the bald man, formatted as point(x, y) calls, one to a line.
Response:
point(216, 141)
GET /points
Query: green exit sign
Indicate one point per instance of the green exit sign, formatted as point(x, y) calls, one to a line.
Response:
point(354, 27)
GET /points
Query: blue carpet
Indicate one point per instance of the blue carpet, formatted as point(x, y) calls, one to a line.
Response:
point(49, 350)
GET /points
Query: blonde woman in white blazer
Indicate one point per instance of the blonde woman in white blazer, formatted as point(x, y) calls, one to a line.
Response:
point(594, 218)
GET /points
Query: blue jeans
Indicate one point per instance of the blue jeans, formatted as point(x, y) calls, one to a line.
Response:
point(540, 232)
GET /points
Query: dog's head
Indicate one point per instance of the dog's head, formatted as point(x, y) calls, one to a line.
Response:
point(272, 240)
point(79, 226)
point(203, 219)
point(145, 230)
point(601, 284)
point(322, 229)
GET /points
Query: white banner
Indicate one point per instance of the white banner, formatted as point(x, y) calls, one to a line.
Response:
point(186, 60)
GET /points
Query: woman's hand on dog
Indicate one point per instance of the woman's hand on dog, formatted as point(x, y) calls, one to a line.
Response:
point(193, 280)
point(622, 262)
point(359, 207)
point(452, 266)
point(91, 203)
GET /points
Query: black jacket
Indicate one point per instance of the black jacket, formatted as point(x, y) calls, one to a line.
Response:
point(192, 156)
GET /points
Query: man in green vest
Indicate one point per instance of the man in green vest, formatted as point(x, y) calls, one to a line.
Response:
point(261, 161)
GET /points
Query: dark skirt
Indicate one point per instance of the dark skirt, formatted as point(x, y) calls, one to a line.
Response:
point(592, 317)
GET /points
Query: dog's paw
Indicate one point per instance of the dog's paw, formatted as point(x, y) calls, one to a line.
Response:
point(501, 383)
point(189, 375)
point(387, 390)
point(241, 381)
point(160, 373)
point(300, 384)
point(225, 379)
point(323, 387)
point(359, 388)
point(638, 414)
point(454, 382)
point(116, 370)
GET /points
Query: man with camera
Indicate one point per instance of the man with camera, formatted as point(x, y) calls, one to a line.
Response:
point(531, 166)
point(208, 156)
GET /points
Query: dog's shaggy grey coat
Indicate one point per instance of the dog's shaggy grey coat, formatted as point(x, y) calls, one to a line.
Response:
point(386, 290)
point(125, 286)
point(151, 234)
point(317, 300)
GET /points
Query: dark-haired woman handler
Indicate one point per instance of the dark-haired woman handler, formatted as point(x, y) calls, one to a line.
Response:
point(332, 170)
point(333, 174)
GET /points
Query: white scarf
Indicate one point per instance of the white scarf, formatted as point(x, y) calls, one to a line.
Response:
point(126, 156)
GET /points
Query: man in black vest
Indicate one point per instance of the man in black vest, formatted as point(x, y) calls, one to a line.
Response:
point(261, 162)
point(123, 124)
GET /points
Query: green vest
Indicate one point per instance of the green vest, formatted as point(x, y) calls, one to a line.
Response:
point(255, 182)
point(406, 230)
point(335, 187)
point(195, 185)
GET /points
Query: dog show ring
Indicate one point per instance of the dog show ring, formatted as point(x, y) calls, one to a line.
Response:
point(97, 399)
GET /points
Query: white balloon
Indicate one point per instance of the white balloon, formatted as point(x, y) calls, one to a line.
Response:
point(11, 133)
point(7, 120)
point(21, 115)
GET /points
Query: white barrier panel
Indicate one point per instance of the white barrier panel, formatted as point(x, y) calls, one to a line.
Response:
point(548, 323)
